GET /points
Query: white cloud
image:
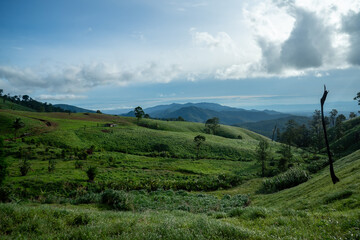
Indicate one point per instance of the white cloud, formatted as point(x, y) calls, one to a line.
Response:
point(60, 97)
point(79, 78)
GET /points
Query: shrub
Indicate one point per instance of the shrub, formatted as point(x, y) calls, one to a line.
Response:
point(51, 167)
point(24, 167)
point(161, 147)
point(288, 179)
point(118, 200)
point(81, 219)
point(317, 165)
point(78, 164)
point(91, 173)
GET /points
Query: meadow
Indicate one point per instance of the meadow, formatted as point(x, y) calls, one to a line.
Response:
point(149, 183)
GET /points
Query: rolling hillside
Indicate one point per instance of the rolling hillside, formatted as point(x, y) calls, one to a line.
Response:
point(150, 185)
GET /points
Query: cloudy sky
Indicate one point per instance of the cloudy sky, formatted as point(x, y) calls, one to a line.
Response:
point(113, 54)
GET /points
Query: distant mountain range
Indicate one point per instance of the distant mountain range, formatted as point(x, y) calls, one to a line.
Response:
point(200, 112)
point(73, 108)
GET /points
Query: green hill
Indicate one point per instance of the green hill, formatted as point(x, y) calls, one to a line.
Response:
point(73, 108)
point(149, 184)
point(13, 106)
point(350, 139)
point(153, 154)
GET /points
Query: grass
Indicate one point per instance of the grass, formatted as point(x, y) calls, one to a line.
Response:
point(32, 221)
point(126, 156)
point(144, 192)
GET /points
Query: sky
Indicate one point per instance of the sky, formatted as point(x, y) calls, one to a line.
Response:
point(108, 54)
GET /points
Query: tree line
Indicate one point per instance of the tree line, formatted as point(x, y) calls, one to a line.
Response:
point(27, 101)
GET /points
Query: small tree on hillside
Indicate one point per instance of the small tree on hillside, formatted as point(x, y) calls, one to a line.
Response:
point(17, 124)
point(91, 173)
point(357, 98)
point(262, 155)
point(286, 157)
point(352, 115)
point(211, 125)
point(199, 139)
point(333, 114)
point(139, 113)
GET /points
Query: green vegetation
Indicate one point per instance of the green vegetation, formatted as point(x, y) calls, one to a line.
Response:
point(93, 176)
point(291, 178)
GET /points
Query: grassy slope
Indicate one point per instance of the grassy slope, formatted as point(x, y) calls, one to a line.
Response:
point(316, 209)
point(13, 106)
point(131, 146)
point(350, 141)
point(317, 193)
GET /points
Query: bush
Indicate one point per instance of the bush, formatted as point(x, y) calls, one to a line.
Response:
point(118, 200)
point(317, 165)
point(51, 166)
point(81, 219)
point(24, 167)
point(91, 173)
point(78, 164)
point(288, 179)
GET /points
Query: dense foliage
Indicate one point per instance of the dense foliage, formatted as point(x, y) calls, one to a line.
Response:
point(288, 179)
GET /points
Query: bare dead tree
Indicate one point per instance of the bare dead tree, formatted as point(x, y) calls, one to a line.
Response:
point(273, 133)
point(332, 173)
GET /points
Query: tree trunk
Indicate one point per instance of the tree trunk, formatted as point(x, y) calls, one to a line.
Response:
point(332, 173)
point(273, 133)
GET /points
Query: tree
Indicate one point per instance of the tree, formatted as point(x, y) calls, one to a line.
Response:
point(146, 115)
point(352, 115)
point(339, 128)
point(286, 157)
point(91, 173)
point(332, 172)
point(17, 124)
point(278, 135)
point(211, 125)
point(199, 139)
point(333, 114)
point(340, 119)
point(180, 118)
point(357, 98)
point(1, 92)
point(25, 98)
point(289, 135)
point(98, 111)
point(262, 155)
point(139, 113)
point(317, 140)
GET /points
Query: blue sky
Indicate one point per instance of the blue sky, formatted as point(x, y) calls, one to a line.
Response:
point(120, 54)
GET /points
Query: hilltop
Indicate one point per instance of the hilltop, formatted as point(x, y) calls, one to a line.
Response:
point(73, 109)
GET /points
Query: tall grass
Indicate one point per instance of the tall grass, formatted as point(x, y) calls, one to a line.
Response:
point(288, 179)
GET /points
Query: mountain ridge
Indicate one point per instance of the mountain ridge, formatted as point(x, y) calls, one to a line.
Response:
point(200, 112)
